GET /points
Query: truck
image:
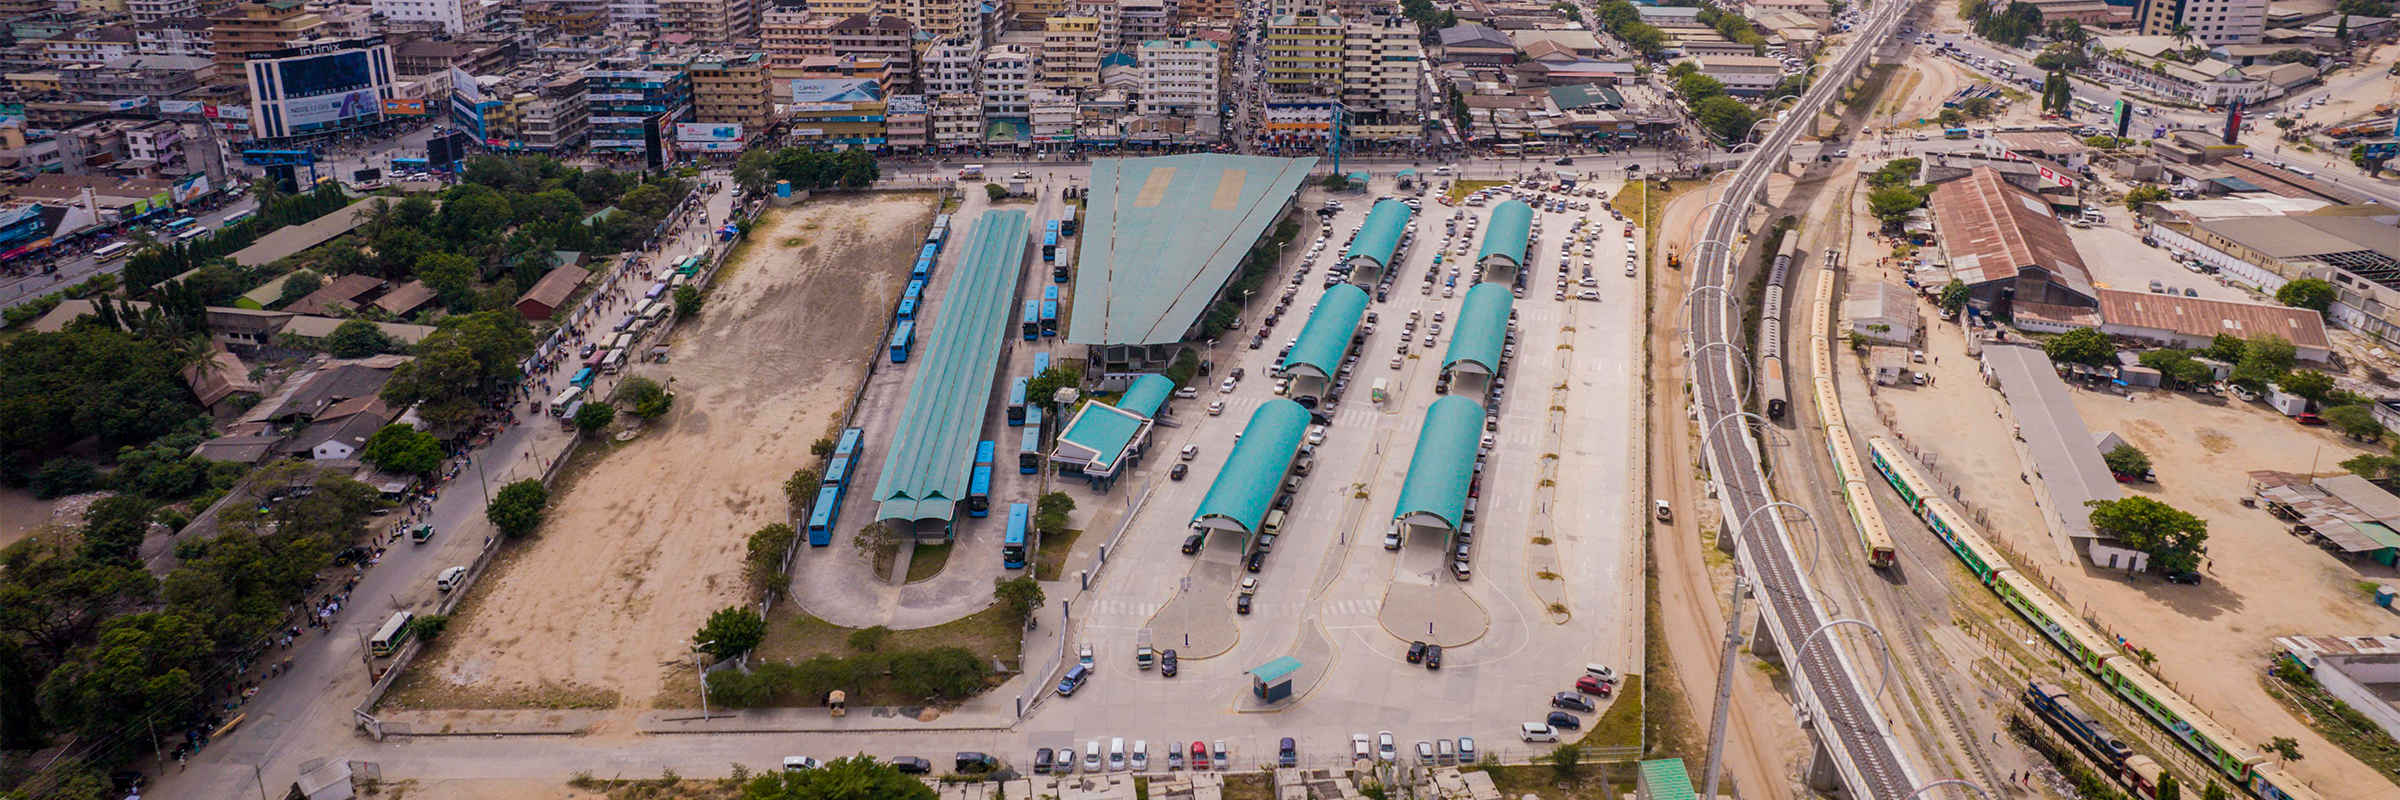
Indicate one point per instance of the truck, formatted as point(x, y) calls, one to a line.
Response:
point(971, 172)
point(420, 534)
point(1379, 391)
point(1143, 656)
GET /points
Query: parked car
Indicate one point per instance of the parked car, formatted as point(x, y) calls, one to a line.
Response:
point(2185, 577)
point(1287, 754)
point(1199, 755)
point(1385, 749)
point(1042, 761)
point(1433, 656)
point(1466, 750)
point(1416, 652)
point(1537, 732)
point(1572, 701)
point(1166, 663)
point(1178, 471)
point(912, 765)
point(1561, 719)
point(1192, 543)
point(1593, 685)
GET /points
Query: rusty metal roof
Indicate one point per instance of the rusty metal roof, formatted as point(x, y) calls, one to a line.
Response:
point(1993, 231)
point(2193, 316)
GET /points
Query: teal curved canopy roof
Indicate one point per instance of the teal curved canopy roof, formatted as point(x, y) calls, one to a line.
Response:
point(1147, 393)
point(1443, 466)
point(1408, 172)
point(1379, 238)
point(1357, 177)
point(933, 449)
point(1512, 223)
point(1246, 486)
point(1482, 327)
point(1326, 338)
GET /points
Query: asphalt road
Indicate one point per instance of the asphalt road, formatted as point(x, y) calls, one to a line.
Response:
point(15, 291)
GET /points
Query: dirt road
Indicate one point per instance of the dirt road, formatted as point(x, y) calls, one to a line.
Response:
point(647, 541)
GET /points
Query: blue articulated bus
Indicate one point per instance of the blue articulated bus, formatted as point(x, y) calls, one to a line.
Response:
point(1041, 364)
point(822, 518)
point(908, 309)
point(1049, 318)
point(916, 289)
point(1012, 550)
point(1016, 401)
point(930, 250)
point(923, 269)
point(848, 445)
point(1033, 320)
point(979, 488)
point(1029, 453)
point(1050, 246)
point(902, 339)
point(837, 473)
point(1033, 416)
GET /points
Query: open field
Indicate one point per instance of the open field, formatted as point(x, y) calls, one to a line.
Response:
point(638, 551)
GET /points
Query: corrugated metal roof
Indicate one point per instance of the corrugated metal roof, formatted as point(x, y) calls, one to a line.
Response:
point(2368, 498)
point(1379, 237)
point(1482, 327)
point(1326, 338)
point(1665, 779)
point(2070, 467)
point(1252, 474)
point(1992, 230)
point(1512, 224)
point(1103, 430)
point(933, 450)
point(1444, 462)
point(1162, 235)
point(2193, 316)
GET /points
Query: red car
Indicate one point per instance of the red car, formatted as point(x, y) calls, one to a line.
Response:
point(1199, 756)
point(1591, 684)
point(2307, 418)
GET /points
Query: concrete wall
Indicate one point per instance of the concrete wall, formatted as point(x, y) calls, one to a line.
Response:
point(2343, 680)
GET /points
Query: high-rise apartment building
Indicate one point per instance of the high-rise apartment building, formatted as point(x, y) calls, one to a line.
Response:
point(790, 35)
point(1207, 12)
point(732, 89)
point(1179, 77)
point(455, 16)
point(941, 17)
point(845, 112)
point(1071, 52)
point(155, 10)
point(2212, 22)
point(957, 120)
point(1031, 13)
point(632, 101)
point(1140, 21)
point(844, 8)
point(1383, 65)
point(557, 117)
point(884, 37)
point(1304, 54)
point(715, 21)
point(906, 122)
point(182, 36)
point(1008, 73)
point(637, 13)
point(951, 64)
point(254, 27)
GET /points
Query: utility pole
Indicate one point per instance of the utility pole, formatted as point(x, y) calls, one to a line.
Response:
point(1725, 667)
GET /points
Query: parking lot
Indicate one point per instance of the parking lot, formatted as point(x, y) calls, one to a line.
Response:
point(1554, 580)
point(2119, 260)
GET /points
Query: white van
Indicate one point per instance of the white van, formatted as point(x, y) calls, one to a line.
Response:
point(1141, 755)
point(1536, 732)
point(1274, 523)
point(450, 578)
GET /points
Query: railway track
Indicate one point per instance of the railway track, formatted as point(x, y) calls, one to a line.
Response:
point(1852, 730)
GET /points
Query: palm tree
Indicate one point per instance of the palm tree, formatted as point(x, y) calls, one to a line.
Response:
point(378, 217)
point(2182, 33)
point(263, 187)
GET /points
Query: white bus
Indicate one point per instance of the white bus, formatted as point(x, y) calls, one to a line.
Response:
point(392, 635)
point(616, 361)
point(112, 251)
point(189, 234)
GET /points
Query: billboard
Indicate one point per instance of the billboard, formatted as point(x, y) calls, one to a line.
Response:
point(331, 111)
point(708, 147)
point(696, 132)
point(191, 107)
point(404, 106)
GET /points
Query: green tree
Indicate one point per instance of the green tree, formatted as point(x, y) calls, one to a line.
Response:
point(801, 488)
point(649, 399)
point(1951, 118)
point(2283, 747)
point(687, 301)
point(1563, 760)
point(358, 338)
point(464, 360)
point(2226, 347)
point(875, 536)
point(2356, 422)
point(1697, 87)
point(822, 447)
point(113, 528)
point(1978, 107)
point(1050, 512)
point(594, 416)
point(400, 448)
point(2168, 789)
point(763, 563)
point(1954, 296)
point(64, 476)
point(1020, 595)
point(2315, 294)
point(2178, 366)
point(2265, 359)
point(870, 639)
point(2308, 384)
point(1892, 205)
point(299, 285)
point(2372, 466)
point(429, 627)
point(518, 508)
point(854, 778)
point(2082, 346)
point(730, 632)
point(2173, 537)
point(995, 192)
point(451, 277)
point(2143, 195)
point(1726, 117)
point(755, 171)
point(139, 666)
point(2213, 792)
point(2125, 459)
point(1046, 385)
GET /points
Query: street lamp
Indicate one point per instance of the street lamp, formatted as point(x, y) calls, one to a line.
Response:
point(702, 674)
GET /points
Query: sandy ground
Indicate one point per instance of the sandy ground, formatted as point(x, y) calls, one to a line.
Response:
point(639, 549)
point(21, 515)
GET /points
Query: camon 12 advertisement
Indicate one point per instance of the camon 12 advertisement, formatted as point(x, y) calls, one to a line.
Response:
point(328, 91)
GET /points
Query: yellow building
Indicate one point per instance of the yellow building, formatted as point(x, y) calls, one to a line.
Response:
point(1071, 52)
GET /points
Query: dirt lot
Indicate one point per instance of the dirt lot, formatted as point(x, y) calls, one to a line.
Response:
point(642, 546)
point(21, 515)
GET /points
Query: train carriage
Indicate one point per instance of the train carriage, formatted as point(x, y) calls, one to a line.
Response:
point(2087, 647)
point(2219, 747)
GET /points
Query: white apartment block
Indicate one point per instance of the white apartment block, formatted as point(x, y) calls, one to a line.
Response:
point(633, 12)
point(455, 16)
point(1053, 117)
point(710, 20)
point(1141, 21)
point(952, 64)
point(1179, 77)
point(1008, 72)
point(938, 17)
point(155, 10)
point(182, 36)
point(2213, 22)
point(1383, 65)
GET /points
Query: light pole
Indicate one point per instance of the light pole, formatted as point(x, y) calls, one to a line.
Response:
point(702, 674)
